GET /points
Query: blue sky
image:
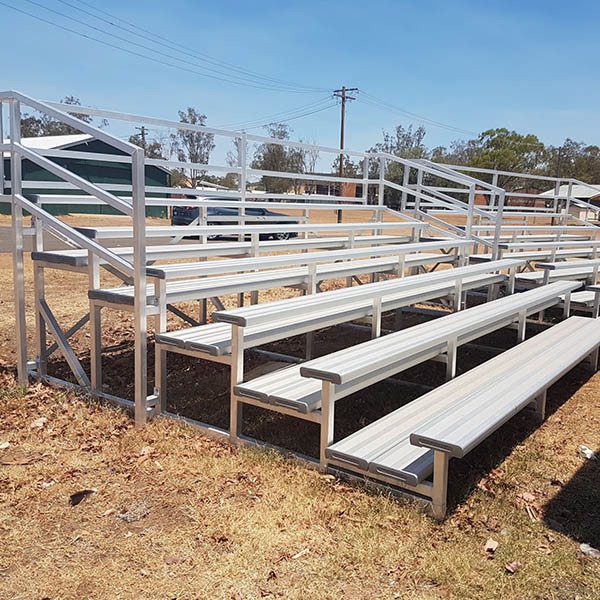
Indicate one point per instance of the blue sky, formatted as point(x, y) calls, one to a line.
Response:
point(530, 65)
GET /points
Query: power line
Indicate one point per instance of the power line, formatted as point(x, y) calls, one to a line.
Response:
point(277, 116)
point(243, 80)
point(306, 114)
point(129, 51)
point(155, 38)
point(374, 101)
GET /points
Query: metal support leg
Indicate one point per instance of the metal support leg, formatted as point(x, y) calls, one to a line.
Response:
point(311, 289)
point(40, 324)
point(539, 405)
point(327, 418)
point(593, 359)
point(160, 377)
point(567, 305)
point(521, 329)
point(237, 376)
point(451, 362)
point(96, 347)
point(203, 311)
point(440, 484)
point(376, 318)
point(17, 239)
point(140, 289)
point(160, 355)
point(596, 308)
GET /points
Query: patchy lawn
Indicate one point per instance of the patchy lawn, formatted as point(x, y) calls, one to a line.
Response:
point(176, 515)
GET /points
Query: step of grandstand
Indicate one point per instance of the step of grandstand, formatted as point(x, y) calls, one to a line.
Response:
point(579, 270)
point(222, 285)
point(79, 258)
point(415, 441)
point(301, 388)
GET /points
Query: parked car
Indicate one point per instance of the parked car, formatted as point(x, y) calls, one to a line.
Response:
point(184, 215)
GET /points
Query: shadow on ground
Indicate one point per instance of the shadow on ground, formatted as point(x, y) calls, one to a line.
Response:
point(199, 390)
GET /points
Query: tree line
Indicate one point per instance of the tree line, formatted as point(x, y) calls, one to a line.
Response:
point(500, 149)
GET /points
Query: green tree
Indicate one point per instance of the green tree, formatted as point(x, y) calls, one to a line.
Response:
point(192, 146)
point(277, 157)
point(39, 124)
point(153, 148)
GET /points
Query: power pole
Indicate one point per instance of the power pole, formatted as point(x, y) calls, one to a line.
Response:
point(343, 95)
point(143, 130)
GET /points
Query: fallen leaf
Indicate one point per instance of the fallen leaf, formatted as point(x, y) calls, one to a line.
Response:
point(38, 423)
point(513, 567)
point(136, 512)
point(79, 497)
point(21, 458)
point(589, 551)
point(526, 497)
point(491, 546)
point(173, 560)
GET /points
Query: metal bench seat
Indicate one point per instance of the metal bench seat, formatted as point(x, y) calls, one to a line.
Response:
point(537, 254)
point(454, 418)
point(458, 430)
point(215, 338)
point(346, 365)
point(572, 274)
point(198, 288)
point(361, 365)
point(384, 447)
point(178, 231)
point(79, 258)
point(583, 298)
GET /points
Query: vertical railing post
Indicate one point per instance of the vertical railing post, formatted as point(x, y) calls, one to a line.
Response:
point(492, 200)
point(365, 180)
point(496, 254)
point(242, 143)
point(555, 197)
point(140, 292)
point(568, 203)
point(381, 187)
point(419, 191)
point(470, 212)
point(405, 184)
point(17, 233)
point(1, 142)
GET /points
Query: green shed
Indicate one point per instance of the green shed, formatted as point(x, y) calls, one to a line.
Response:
point(96, 171)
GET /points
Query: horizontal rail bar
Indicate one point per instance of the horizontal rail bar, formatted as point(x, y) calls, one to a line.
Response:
point(116, 261)
point(176, 230)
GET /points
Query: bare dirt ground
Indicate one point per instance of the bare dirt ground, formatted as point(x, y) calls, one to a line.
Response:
point(170, 513)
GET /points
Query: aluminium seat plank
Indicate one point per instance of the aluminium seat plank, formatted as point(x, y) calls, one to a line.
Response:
point(458, 431)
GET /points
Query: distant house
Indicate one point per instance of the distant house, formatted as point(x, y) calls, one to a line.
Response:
point(96, 171)
point(589, 194)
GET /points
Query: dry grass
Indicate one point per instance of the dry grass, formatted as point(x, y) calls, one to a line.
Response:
point(207, 520)
point(176, 515)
